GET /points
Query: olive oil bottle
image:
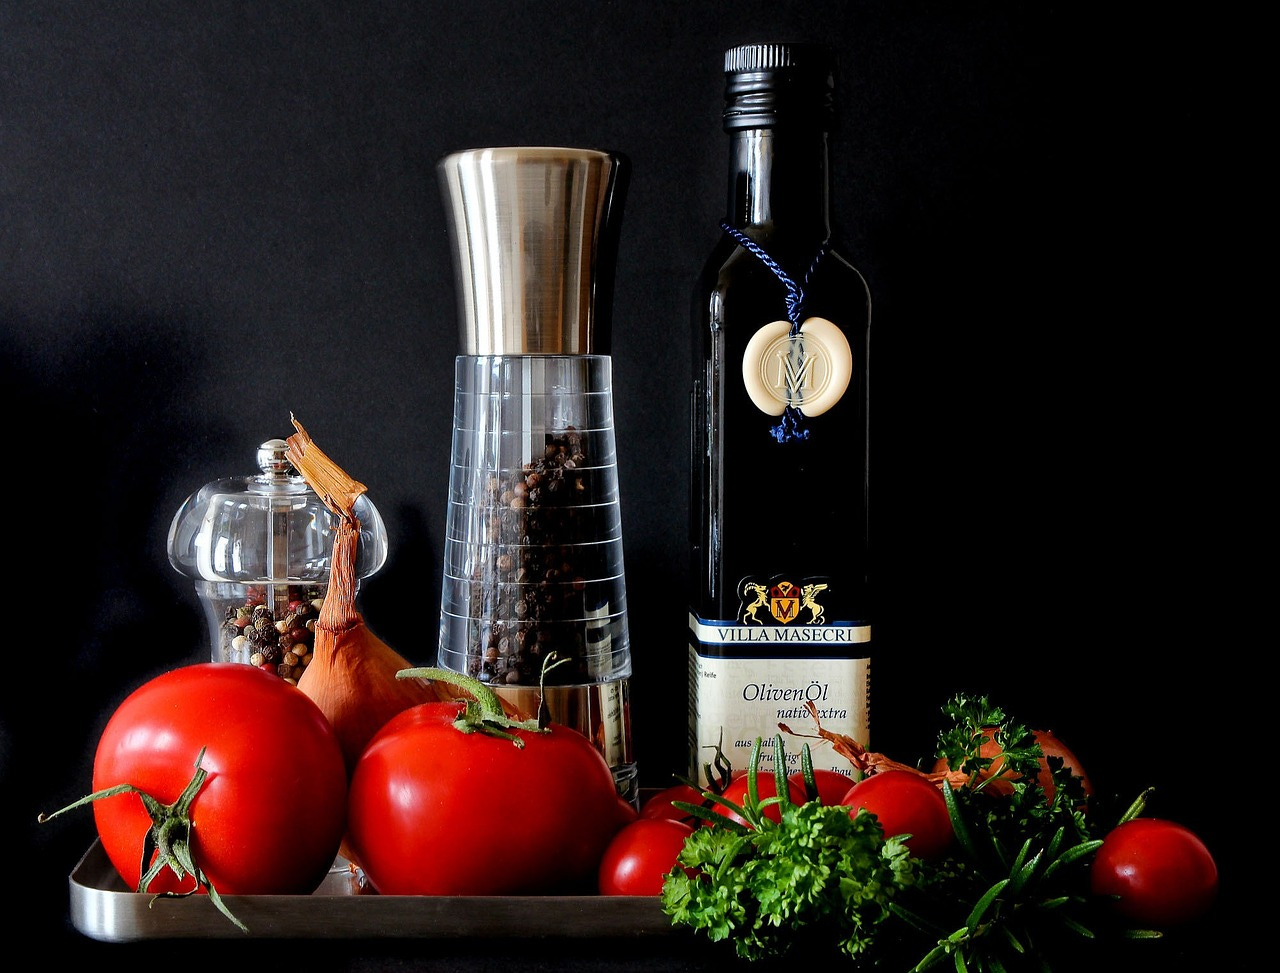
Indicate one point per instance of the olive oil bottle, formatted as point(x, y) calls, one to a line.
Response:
point(780, 612)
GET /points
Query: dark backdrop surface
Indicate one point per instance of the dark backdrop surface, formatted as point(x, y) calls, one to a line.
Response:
point(215, 214)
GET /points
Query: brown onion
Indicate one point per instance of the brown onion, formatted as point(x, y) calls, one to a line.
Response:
point(1050, 746)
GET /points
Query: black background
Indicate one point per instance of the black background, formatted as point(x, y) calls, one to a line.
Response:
point(215, 214)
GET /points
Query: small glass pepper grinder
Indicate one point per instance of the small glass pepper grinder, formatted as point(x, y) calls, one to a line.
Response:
point(260, 548)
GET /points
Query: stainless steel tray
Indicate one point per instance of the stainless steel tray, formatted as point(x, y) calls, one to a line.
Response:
point(103, 908)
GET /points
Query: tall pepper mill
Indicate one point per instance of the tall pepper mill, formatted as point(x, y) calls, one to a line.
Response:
point(533, 598)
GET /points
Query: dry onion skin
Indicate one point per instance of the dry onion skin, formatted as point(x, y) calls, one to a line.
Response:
point(352, 674)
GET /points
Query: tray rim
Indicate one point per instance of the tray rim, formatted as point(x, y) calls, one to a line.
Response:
point(102, 908)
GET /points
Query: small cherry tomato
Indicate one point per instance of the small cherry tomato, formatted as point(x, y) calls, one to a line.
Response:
point(832, 785)
point(626, 812)
point(641, 855)
point(905, 803)
point(1162, 872)
point(766, 786)
point(660, 804)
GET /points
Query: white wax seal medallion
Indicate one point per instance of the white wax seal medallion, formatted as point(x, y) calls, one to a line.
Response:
point(809, 371)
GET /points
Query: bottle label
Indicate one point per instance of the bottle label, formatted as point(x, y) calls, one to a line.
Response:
point(748, 675)
point(808, 370)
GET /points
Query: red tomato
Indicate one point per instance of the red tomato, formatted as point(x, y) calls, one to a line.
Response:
point(1162, 872)
point(660, 804)
point(905, 803)
point(766, 786)
point(435, 811)
point(627, 811)
point(832, 785)
point(270, 816)
point(640, 856)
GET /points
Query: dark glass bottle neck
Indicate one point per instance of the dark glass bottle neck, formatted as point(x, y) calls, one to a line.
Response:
point(778, 178)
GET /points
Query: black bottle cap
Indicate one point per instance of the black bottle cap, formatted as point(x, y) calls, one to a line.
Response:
point(767, 85)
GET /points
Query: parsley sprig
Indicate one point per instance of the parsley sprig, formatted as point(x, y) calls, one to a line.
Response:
point(816, 875)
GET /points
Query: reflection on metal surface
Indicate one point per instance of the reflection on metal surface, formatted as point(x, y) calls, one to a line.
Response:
point(534, 232)
point(103, 908)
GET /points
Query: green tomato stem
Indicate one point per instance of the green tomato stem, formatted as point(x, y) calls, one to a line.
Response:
point(490, 704)
point(484, 712)
point(169, 835)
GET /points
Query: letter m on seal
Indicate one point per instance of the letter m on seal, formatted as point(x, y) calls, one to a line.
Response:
point(784, 601)
point(793, 374)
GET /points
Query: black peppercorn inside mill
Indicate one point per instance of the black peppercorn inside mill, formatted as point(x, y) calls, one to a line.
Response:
point(531, 580)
